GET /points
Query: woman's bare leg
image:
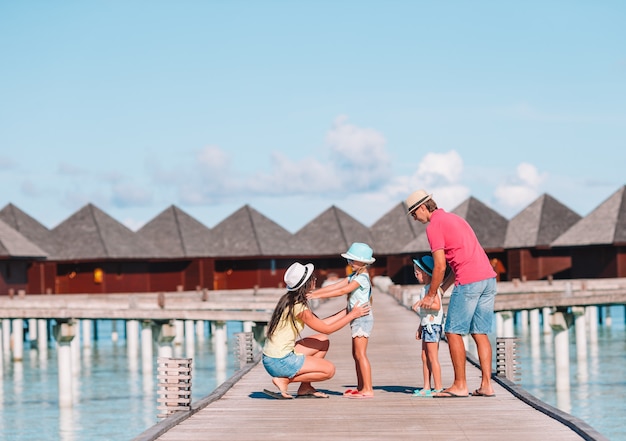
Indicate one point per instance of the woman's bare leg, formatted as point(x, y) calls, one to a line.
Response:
point(316, 347)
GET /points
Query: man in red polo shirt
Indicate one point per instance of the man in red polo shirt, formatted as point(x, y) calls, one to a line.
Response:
point(470, 310)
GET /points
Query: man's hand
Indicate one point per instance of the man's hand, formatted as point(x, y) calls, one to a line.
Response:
point(431, 301)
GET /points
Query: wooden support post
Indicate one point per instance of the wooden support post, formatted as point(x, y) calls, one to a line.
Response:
point(146, 346)
point(164, 334)
point(560, 323)
point(18, 339)
point(507, 364)
point(6, 336)
point(64, 333)
point(245, 348)
point(174, 385)
point(220, 345)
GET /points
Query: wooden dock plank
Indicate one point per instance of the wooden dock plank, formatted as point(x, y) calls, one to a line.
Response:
point(245, 413)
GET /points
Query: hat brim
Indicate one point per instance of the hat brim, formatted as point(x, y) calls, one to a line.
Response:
point(417, 204)
point(358, 259)
point(310, 268)
point(423, 267)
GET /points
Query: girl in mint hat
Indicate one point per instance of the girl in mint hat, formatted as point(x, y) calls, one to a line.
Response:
point(358, 287)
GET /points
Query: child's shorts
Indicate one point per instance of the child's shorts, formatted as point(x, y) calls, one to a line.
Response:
point(362, 326)
point(432, 337)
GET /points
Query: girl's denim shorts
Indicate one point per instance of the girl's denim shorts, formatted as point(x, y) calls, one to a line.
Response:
point(288, 366)
point(362, 326)
point(432, 337)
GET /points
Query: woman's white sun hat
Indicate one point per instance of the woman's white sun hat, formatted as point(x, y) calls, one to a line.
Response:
point(416, 199)
point(297, 275)
point(360, 252)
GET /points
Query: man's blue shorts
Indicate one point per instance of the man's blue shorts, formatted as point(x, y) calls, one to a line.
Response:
point(470, 310)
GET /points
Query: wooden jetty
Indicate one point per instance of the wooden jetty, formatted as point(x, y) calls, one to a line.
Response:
point(238, 409)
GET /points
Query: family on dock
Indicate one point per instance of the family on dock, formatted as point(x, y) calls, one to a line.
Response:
point(456, 257)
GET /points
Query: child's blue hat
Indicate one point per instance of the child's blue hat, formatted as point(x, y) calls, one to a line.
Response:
point(425, 263)
point(360, 252)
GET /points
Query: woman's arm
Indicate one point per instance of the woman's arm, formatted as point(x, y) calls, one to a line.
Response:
point(336, 316)
point(337, 321)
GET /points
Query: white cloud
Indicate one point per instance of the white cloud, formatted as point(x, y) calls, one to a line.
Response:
point(529, 175)
point(439, 169)
point(287, 177)
point(213, 159)
point(450, 196)
point(522, 189)
point(359, 154)
point(355, 162)
point(439, 174)
point(133, 224)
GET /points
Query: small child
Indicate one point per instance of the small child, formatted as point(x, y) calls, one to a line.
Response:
point(358, 287)
point(429, 330)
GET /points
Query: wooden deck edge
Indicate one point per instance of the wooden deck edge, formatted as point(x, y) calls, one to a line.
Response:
point(166, 424)
point(579, 426)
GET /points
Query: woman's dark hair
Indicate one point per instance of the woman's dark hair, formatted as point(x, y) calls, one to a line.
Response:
point(288, 301)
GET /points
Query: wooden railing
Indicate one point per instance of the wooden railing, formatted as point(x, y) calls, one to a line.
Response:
point(518, 295)
point(242, 305)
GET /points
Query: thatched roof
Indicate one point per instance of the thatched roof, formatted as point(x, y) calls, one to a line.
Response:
point(606, 225)
point(489, 226)
point(247, 232)
point(331, 233)
point(539, 224)
point(396, 229)
point(13, 244)
point(90, 233)
point(30, 228)
point(177, 234)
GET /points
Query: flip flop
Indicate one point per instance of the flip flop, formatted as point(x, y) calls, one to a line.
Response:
point(350, 392)
point(277, 395)
point(423, 393)
point(426, 393)
point(316, 394)
point(447, 394)
point(478, 393)
point(359, 396)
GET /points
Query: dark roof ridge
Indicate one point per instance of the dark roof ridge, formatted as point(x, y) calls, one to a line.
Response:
point(255, 233)
point(179, 229)
point(92, 211)
point(342, 231)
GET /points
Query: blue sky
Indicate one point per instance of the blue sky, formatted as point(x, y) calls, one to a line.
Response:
point(292, 107)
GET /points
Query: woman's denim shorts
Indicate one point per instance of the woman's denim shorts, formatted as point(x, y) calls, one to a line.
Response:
point(288, 366)
point(471, 308)
point(362, 326)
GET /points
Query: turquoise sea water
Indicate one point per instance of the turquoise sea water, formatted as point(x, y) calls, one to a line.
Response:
point(597, 379)
point(114, 400)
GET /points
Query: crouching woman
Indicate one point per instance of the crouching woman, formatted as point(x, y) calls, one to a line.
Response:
point(291, 359)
